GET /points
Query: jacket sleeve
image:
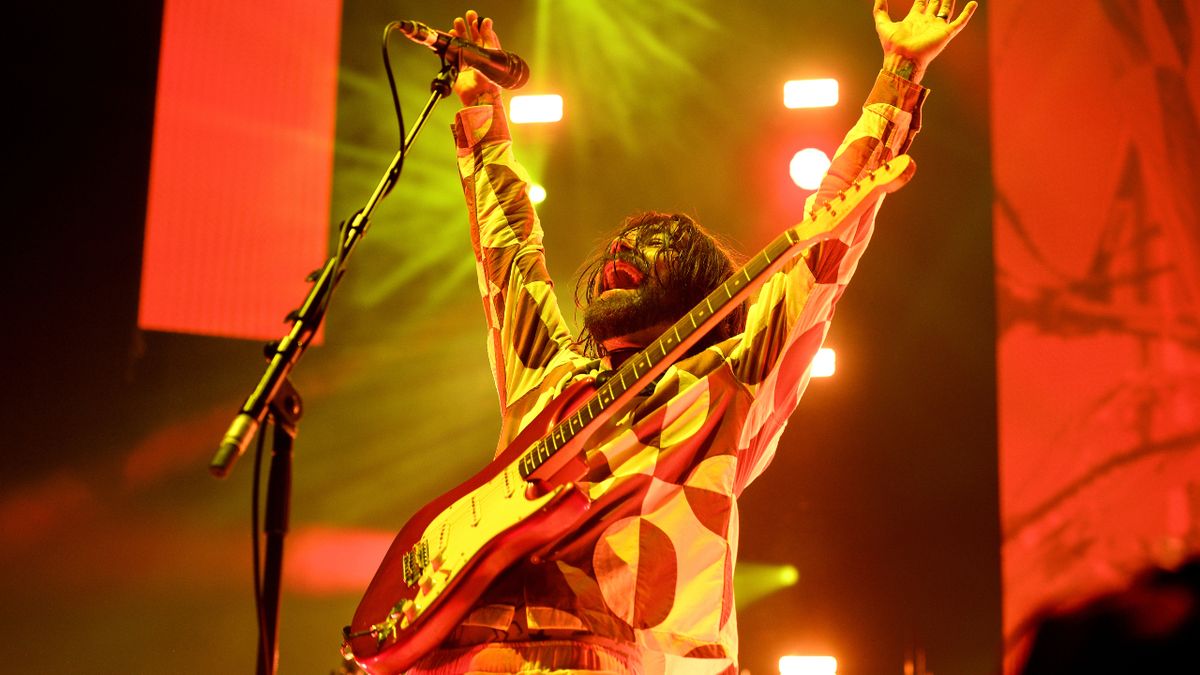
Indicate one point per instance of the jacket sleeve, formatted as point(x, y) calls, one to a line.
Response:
point(789, 317)
point(525, 329)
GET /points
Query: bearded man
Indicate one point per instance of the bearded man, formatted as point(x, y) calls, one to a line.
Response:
point(645, 583)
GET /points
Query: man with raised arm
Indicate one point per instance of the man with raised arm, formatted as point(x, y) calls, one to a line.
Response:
point(645, 583)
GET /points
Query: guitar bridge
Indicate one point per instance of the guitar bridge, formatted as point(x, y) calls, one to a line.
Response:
point(415, 562)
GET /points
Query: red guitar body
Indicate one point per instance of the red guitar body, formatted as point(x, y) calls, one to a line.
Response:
point(450, 551)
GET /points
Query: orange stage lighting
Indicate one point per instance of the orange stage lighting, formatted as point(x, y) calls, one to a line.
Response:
point(824, 363)
point(822, 93)
point(807, 665)
point(808, 167)
point(241, 166)
point(535, 109)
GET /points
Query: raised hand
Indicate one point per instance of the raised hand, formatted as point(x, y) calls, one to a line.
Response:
point(472, 87)
point(911, 44)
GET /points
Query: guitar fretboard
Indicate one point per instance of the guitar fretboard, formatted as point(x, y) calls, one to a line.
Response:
point(647, 364)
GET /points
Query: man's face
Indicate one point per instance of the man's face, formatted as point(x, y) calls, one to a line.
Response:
point(632, 292)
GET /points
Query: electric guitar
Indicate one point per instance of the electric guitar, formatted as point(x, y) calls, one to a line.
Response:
point(522, 503)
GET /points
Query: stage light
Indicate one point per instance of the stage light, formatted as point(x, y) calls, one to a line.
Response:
point(808, 167)
point(824, 363)
point(535, 109)
point(810, 93)
point(807, 665)
point(537, 193)
point(753, 581)
point(789, 575)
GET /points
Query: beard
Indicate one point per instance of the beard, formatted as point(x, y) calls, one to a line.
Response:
point(627, 312)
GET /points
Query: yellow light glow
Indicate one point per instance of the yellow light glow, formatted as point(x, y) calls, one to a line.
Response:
point(822, 93)
point(535, 109)
point(537, 193)
point(807, 665)
point(824, 363)
point(789, 575)
point(808, 167)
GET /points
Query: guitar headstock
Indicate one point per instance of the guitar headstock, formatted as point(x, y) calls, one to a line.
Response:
point(823, 221)
point(894, 174)
point(887, 178)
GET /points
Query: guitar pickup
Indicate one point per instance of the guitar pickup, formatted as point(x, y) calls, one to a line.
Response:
point(415, 562)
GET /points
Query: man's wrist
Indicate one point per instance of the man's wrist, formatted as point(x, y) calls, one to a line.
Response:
point(904, 67)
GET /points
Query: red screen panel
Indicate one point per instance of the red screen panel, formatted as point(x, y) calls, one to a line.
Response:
point(240, 172)
point(1098, 303)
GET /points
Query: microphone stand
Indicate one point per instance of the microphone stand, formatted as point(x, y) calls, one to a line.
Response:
point(275, 400)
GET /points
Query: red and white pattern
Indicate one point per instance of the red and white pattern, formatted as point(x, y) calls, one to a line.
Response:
point(653, 566)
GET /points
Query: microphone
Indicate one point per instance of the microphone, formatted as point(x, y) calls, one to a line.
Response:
point(506, 69)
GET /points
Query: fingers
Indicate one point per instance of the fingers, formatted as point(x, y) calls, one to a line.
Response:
point(466, 28)
point(475, 29)
point(880, 11)
point(963, 18)
point(472, 21)
point(487, 33)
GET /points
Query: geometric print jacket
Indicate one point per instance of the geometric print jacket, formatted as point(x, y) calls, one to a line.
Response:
point(651, 570)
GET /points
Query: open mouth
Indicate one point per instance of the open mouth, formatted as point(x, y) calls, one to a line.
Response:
point(620, 274)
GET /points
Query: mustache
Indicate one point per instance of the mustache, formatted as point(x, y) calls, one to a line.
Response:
point(629, 258)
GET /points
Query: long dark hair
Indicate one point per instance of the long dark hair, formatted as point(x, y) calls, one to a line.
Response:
point(696, 263)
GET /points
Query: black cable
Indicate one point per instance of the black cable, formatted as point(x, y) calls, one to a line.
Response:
point(342, 244)
point(395, 176)
point(255, 537)
point(342, 250)
point(340, 258)
point(387, 66)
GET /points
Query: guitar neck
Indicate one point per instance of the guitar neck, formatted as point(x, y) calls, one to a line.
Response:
point(648, 364)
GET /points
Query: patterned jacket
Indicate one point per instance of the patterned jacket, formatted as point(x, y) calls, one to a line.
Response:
point(653, 565)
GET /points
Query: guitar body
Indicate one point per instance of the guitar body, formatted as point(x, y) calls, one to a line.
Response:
point(446, 555)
